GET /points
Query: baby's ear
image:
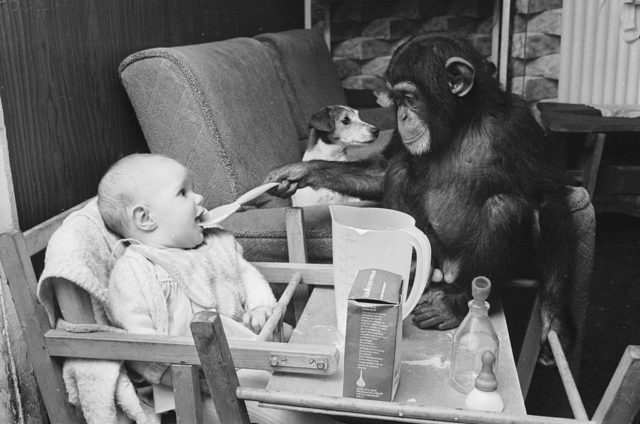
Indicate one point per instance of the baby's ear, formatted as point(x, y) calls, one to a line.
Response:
point(142, 219)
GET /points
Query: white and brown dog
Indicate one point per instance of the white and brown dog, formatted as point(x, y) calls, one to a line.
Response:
point(333, 128)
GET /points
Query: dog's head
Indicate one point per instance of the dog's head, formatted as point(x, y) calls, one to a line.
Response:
point(340, 125)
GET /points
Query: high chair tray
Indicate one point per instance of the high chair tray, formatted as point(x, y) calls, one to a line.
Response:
point(425, 361)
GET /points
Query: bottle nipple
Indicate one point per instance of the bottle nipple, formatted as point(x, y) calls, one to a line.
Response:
point(484, 396)
point(480, 290)
point(486, 379)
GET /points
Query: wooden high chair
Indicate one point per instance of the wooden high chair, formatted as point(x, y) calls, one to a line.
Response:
point(47, 347)
point(619, 404)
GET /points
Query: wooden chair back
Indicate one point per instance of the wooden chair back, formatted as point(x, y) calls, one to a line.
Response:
point(48, 347)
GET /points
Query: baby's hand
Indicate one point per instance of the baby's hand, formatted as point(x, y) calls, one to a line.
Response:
point(257, 318)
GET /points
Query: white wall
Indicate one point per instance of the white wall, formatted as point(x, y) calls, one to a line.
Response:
point(600, 60)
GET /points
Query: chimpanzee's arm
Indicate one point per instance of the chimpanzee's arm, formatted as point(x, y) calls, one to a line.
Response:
point(363, 179)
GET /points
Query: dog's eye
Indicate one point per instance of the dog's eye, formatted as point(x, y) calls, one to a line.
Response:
point(346, 120)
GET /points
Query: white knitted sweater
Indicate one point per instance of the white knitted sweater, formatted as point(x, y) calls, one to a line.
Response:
point(214, 275)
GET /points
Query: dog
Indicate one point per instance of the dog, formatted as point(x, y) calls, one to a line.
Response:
point(333, 128)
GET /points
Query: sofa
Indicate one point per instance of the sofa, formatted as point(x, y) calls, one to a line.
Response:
point(232, 110)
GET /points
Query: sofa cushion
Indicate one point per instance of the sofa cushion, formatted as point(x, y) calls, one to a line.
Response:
point(306, 71)
point(219, 109)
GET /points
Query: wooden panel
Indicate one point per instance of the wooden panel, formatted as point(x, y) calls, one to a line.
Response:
point(577, 118)
point(66, 113)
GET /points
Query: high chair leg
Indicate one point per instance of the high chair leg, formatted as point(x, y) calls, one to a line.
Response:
point(567, 379)
point(621, 401)
point(217, 364)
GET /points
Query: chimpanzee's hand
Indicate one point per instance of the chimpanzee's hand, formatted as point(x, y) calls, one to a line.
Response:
point(290, 177)
point(438, 309)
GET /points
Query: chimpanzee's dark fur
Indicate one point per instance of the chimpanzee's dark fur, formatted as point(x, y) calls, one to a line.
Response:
point(474, 183)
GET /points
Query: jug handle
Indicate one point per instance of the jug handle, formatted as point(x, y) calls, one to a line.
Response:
point(421, 244)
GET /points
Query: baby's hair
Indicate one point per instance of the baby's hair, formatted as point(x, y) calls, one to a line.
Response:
point(117, 189)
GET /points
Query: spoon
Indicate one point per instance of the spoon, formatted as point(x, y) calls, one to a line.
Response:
point(214, 216)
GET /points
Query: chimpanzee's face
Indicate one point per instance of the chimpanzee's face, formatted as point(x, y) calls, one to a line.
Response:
point(429, 80)
point(412, 127)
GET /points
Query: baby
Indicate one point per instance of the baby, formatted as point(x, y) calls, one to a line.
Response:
point(172, 269)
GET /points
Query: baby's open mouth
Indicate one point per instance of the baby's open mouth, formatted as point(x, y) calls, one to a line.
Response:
point(201, 214)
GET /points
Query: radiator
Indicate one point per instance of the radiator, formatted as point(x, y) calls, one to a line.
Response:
point(600, 59)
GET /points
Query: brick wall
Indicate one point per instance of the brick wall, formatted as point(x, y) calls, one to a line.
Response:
point(535, 48)
point(365, 33)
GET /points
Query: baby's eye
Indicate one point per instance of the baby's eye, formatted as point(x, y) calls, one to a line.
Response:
point(182, 192)
point(346, 120)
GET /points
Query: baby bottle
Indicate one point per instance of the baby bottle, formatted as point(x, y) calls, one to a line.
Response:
point(474, 336)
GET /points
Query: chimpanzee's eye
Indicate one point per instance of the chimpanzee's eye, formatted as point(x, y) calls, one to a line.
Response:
point(346, 120)
point(410, 99)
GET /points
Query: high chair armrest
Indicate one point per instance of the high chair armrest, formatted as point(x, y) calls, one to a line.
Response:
point(171, 349)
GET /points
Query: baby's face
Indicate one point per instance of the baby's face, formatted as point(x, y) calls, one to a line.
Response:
point(174, 206)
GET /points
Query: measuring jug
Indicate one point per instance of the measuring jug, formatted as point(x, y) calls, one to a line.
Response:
point(376, 238)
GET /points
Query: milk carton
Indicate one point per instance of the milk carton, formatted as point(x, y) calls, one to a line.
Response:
point(373, 336)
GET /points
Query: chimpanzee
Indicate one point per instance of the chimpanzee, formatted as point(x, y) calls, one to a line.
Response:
point(470, 164)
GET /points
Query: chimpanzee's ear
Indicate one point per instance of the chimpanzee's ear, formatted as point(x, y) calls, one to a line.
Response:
point(322, 120)
point(460, 75)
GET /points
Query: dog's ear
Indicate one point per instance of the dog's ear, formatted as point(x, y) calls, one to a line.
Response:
point(322, 120)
